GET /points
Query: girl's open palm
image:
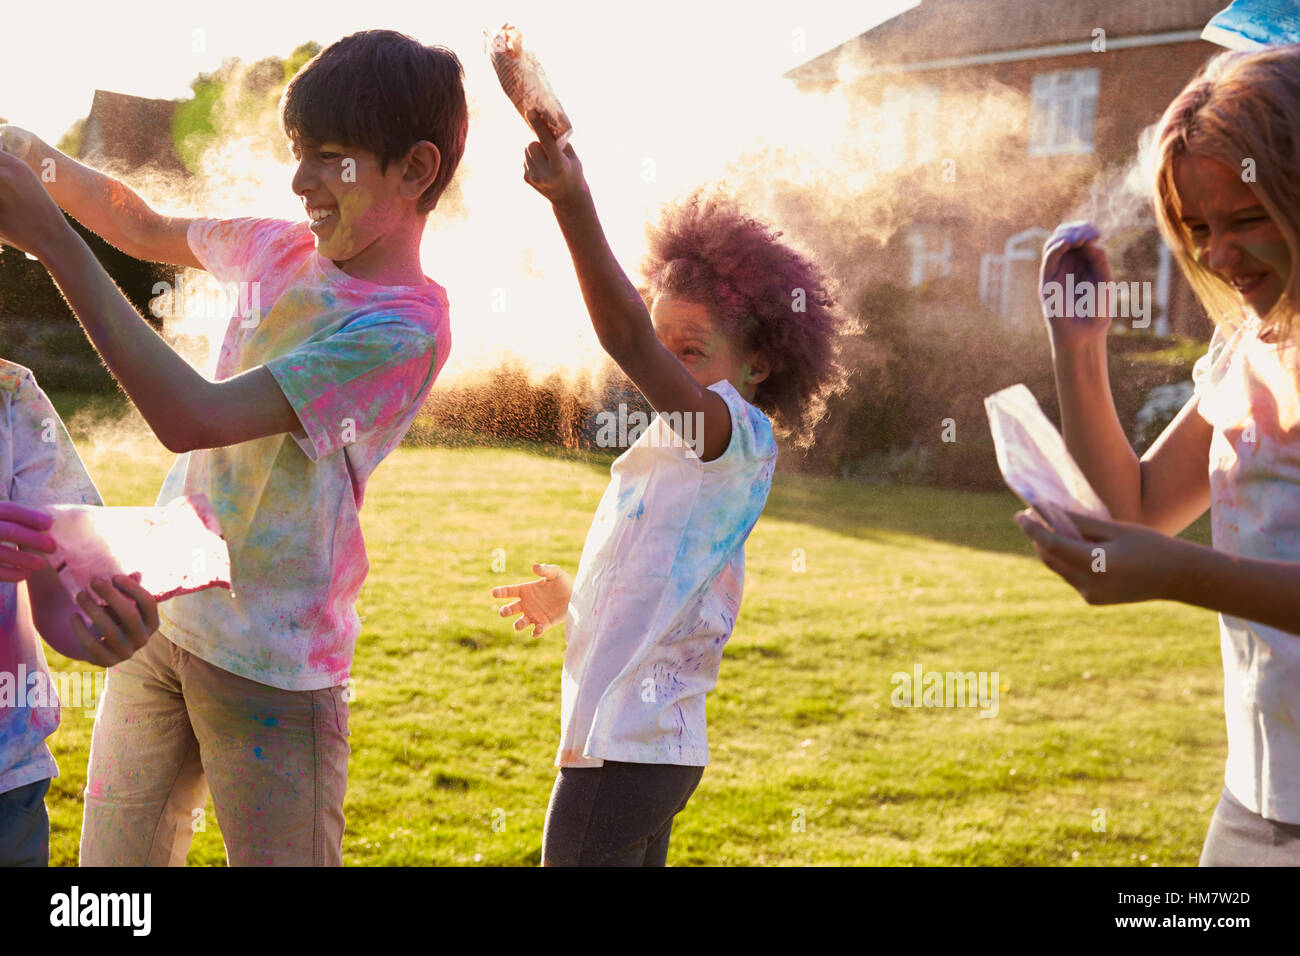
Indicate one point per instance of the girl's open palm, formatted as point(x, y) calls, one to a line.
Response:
point(543, 603)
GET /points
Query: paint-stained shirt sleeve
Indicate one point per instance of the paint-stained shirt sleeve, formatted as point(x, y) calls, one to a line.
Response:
point(751, 435)
point(238, 250)
point(46, 467)
point(1209, 368)
point(359, 382)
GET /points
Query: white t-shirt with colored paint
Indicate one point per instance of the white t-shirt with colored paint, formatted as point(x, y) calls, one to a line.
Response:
point(356, 361)
point(657, 592)
point(1248, 392)
point(38, 467)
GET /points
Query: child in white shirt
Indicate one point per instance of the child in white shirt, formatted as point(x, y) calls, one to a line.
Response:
point(39, 467)
point(1236, 238)
point(659, 584)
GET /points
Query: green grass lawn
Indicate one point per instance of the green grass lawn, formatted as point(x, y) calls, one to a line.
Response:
point(1107, 746)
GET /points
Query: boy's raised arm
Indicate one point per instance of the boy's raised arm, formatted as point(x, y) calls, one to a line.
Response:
point(106, 207)
point(184, 409)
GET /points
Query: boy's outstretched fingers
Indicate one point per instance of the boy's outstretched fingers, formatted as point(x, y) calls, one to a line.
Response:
point(92, 647)
point(125, 624)
point(541, 603)
point(145, 604)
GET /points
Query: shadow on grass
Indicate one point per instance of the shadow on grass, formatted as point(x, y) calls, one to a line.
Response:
point(969, 519)
point(862, 510)
point(868, 512)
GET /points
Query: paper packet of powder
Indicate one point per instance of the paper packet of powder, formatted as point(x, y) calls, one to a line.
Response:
point(524, 81)
point(1035, 462)
point(177, 549)
point(1255, 24)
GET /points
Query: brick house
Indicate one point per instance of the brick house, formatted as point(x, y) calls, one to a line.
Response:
point(121, 132)
point(130, 132)
point(1075, 83)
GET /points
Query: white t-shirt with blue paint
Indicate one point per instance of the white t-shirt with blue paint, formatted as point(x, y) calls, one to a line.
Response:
point(1248, 392)
point(38, 466)
point(657, 592)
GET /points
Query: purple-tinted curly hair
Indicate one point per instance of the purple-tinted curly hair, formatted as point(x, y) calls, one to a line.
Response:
point(765, 296)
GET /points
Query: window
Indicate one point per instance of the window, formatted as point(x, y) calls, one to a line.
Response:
point(931, 254)
point(1063, 112)
point(910, 117)
point(1009, 279)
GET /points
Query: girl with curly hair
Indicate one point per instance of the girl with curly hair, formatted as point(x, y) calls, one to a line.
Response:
point(740, 327)
point(1228, 203)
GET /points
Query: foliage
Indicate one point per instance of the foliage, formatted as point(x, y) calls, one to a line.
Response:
point(70, 142)
point(918, 416)
point(193, 130)
point(236, 95)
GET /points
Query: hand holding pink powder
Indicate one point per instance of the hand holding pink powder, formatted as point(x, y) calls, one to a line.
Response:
point(176, 549)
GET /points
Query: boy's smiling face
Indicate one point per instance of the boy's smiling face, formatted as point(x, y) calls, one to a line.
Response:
point(345, 195)
point(363, 218)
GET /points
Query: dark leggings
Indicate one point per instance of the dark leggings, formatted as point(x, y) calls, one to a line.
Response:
point(1241, 837)
point(619, 814)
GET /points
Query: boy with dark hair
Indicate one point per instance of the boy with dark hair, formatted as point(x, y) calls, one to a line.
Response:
point(319, 375)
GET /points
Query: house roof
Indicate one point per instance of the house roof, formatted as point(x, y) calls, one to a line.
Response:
point(132, 130)
point(944, 29)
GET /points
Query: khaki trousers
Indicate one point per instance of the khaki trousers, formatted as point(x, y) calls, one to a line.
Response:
point(173, 726)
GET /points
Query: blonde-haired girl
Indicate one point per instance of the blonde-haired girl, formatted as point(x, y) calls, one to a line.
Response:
point(1227, 200)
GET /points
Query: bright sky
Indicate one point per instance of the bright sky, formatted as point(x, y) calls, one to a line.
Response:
point(50, 65)
point(663, 96)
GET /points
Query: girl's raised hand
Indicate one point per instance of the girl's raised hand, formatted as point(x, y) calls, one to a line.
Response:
point(1072, 259)
point(555, 173)
point(543, 603)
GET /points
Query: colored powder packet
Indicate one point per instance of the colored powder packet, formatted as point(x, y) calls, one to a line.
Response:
point(177, 549)
point(1035, 462)
point(1255, 24)
point(524, 81)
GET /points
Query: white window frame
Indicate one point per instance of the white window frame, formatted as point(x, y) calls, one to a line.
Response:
point(995, 268)
point(930, 259)
point(1063, 112)
point(914, 107)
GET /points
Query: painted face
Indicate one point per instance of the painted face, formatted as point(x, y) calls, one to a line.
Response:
point(1232, 234)
point(354, 208)
point(688, 331)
